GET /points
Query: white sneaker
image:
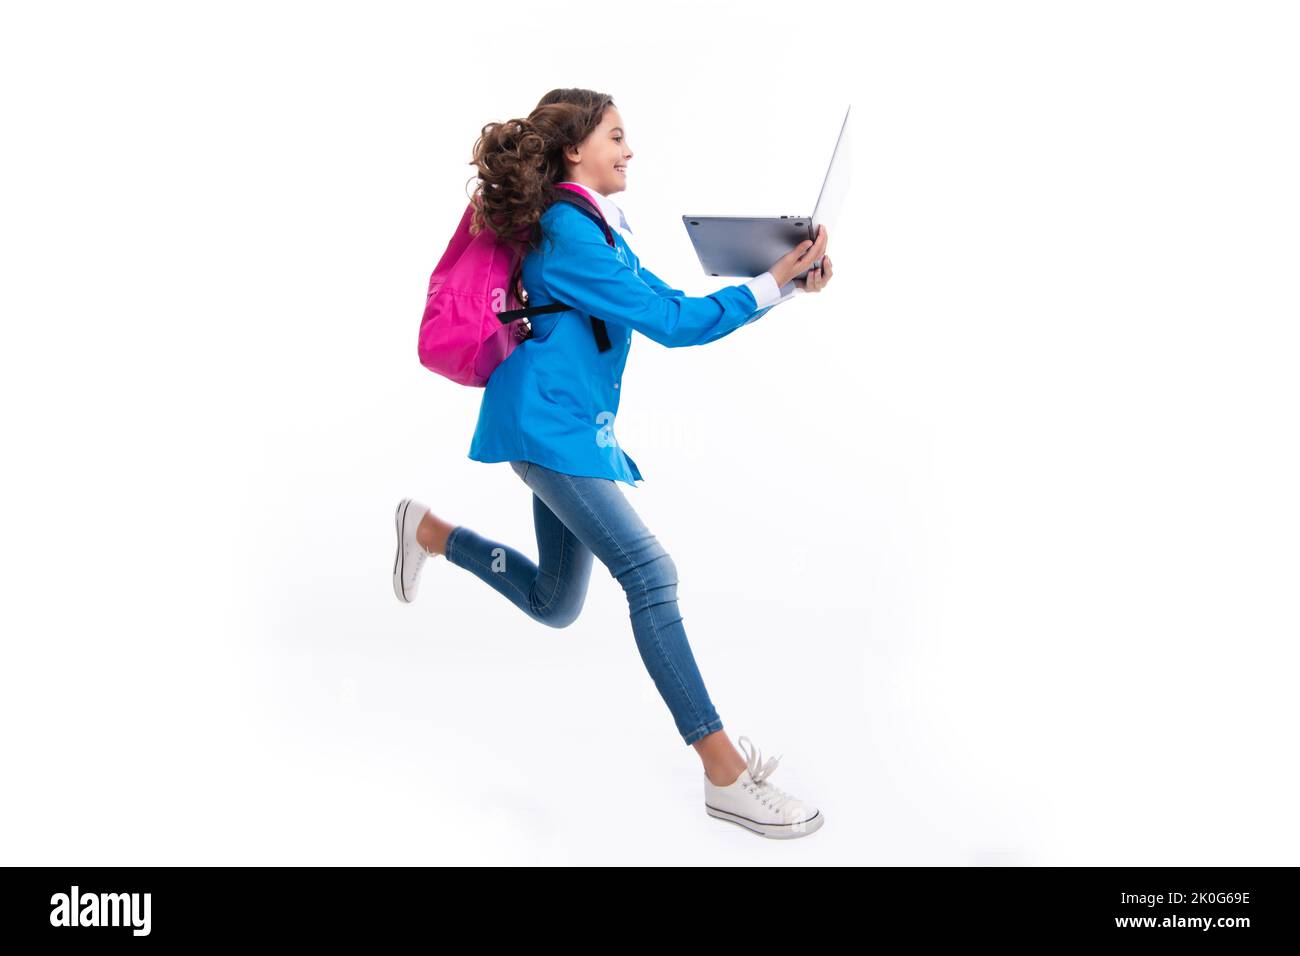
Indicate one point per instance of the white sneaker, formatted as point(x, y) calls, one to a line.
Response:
point(753, 803)
point(410, 553)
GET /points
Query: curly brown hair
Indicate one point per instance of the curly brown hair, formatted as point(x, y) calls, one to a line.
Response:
point(519, 162)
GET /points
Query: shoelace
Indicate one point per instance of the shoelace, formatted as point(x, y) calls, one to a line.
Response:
point(770, 795)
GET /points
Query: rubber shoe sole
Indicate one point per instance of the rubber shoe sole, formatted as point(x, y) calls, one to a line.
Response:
point(410, 555)
point(773, 831)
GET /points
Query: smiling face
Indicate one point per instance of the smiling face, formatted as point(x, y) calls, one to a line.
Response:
point(600, 161)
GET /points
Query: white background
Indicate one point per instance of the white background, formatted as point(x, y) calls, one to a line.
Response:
point(995, 540)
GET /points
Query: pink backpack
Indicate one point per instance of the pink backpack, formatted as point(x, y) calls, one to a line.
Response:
point(471, 321)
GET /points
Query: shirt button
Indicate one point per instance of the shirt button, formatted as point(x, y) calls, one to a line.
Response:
point(616, 384)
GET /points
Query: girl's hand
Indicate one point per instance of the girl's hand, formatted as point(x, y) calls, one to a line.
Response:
point(816, 279)
point(800, 259)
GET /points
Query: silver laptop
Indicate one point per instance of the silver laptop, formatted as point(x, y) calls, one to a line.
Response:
point(749, 245)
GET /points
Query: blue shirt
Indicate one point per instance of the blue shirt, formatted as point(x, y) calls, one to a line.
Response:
point(555, 398)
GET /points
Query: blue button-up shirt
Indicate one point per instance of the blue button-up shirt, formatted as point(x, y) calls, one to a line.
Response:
point(554, 399)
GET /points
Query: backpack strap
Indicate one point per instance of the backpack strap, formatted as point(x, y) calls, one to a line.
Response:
point(587, 208)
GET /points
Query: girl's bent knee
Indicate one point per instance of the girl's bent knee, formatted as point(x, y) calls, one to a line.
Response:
point(557, 615)
point(560, 620)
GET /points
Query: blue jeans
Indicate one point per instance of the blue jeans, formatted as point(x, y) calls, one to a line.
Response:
point(577, 518)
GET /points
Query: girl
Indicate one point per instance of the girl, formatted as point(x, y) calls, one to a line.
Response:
point(549, 410)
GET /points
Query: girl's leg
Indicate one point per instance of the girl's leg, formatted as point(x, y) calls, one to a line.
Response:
point(432, 533)
point(722, 762)
point(597, 512)
point(553, 590)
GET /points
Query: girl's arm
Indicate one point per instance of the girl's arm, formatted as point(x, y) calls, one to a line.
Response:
point(664, 289)
point(582, 271)
point(762, 287)
point(659, 285)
